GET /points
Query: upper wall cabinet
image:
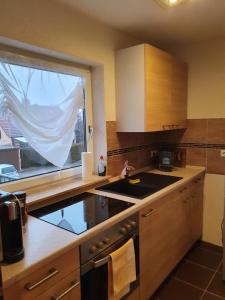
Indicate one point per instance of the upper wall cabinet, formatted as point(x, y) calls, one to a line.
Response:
point(151, 90)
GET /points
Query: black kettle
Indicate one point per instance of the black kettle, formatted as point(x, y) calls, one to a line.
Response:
point(11, 239)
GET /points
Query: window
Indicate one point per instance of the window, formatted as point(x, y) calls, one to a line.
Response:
point(43, 113)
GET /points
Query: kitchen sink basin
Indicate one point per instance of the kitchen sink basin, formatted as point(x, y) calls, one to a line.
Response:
point(148, 185)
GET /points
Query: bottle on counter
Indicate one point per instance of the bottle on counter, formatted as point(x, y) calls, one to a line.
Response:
point(101, 167)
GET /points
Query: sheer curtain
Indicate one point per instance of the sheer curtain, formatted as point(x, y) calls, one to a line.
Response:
point(44, 106)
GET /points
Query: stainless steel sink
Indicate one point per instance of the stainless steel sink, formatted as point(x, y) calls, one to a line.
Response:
point(148, 185)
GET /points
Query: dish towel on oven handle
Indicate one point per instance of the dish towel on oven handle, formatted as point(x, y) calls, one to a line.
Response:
point(121, 270)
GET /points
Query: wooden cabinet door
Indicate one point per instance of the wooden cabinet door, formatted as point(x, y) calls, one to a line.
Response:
point(181, 239)
point(151, 90)
point(156, 257)
point(41, 280)
point(164, 239)
point(178, 108)
point(67, 289)
point(196, 211)
point(158, 73)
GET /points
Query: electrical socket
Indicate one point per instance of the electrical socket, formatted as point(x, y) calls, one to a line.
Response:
point(222, 153)
point(153, 153)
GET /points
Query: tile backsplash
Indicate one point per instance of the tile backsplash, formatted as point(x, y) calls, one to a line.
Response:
point(201, 141)
point(134, 147)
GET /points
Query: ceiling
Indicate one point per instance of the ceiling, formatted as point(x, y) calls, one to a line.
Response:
point(191, 22)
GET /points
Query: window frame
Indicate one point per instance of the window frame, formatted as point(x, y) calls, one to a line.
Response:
point(63, 66)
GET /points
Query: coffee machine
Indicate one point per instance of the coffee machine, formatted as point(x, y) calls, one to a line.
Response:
point(11, 239)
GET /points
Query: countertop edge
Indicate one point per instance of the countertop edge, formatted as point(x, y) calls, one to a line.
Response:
point(75, 241)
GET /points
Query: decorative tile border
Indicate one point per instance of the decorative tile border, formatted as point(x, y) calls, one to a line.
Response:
point(164, 145)
point(193, 145)
point(131, 149)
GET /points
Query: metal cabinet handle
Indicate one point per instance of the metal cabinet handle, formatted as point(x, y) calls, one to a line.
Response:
point(148, 213)
point(72, 286)
point(52, 272)
point(183, 189)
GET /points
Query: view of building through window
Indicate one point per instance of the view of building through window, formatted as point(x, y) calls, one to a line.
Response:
point(18, 159)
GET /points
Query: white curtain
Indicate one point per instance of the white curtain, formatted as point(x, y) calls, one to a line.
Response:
point(44, 107)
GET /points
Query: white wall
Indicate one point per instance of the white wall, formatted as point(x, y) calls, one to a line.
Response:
point(51, 25)
point(206, 99)
point(52, 28)
point(213, 208)
point(206, 83)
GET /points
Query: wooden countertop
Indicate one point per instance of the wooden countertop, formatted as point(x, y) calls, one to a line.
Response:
point(43, 241)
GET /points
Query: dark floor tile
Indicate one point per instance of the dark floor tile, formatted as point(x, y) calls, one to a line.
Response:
point(217, 286)
point(209, 296)
point(194, 274)
point(176, 290)
point(204, 257)
point(211, 247)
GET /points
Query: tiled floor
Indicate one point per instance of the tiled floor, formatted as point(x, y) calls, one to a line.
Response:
point(197, 277)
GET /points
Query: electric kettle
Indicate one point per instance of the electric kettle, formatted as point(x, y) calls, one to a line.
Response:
point(11, 239)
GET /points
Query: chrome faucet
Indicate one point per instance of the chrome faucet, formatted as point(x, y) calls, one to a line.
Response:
point(126, 170)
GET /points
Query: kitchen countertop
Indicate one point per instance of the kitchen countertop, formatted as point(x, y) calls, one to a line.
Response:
point(43, 241)
point(42, 195)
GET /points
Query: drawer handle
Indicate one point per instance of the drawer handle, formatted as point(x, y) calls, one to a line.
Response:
point(52, 272)
point(72, 286)
point(148, 213)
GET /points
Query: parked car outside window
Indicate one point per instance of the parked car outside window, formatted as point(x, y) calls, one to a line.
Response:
point(8, 171)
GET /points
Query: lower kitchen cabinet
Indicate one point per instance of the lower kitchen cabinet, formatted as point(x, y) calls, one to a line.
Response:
point(67, 289)
point(60, 276)
point(168, 228)
point(135, 295)
point(196, 209)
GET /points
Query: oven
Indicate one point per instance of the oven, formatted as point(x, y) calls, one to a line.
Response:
point(83, 212)
point(95, 258)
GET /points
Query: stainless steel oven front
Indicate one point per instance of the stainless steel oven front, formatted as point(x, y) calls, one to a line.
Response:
point(95, 257)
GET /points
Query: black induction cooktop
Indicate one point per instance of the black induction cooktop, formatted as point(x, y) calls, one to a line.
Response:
point(82, 212)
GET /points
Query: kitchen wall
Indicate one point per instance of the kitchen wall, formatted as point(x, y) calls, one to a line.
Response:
point(134, 147)
point(205, 136)
point(50, 25)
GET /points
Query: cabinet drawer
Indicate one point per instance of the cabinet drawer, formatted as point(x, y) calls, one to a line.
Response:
point(166, 199)
point(67, 289)
point(44, 278)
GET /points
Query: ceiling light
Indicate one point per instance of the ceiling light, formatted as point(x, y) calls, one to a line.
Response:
point(169, 3)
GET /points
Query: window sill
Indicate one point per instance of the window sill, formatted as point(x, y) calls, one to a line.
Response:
point(46, 194)
point(46, 189)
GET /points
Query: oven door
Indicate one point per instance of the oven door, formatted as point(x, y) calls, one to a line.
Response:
point(94, 274)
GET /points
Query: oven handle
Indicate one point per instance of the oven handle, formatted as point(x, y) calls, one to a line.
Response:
point(104, 260)
point(100, 262)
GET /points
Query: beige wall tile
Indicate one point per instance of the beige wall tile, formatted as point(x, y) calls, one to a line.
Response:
point(216, 131)
point(115, 163)
point(112, 139)
point(196, 131)
point(196, 156)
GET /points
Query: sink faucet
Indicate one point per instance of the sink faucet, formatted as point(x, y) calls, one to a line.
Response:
point(126, 170)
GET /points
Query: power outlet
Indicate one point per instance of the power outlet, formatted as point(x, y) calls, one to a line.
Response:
point(222, 153)
point(154, 153)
